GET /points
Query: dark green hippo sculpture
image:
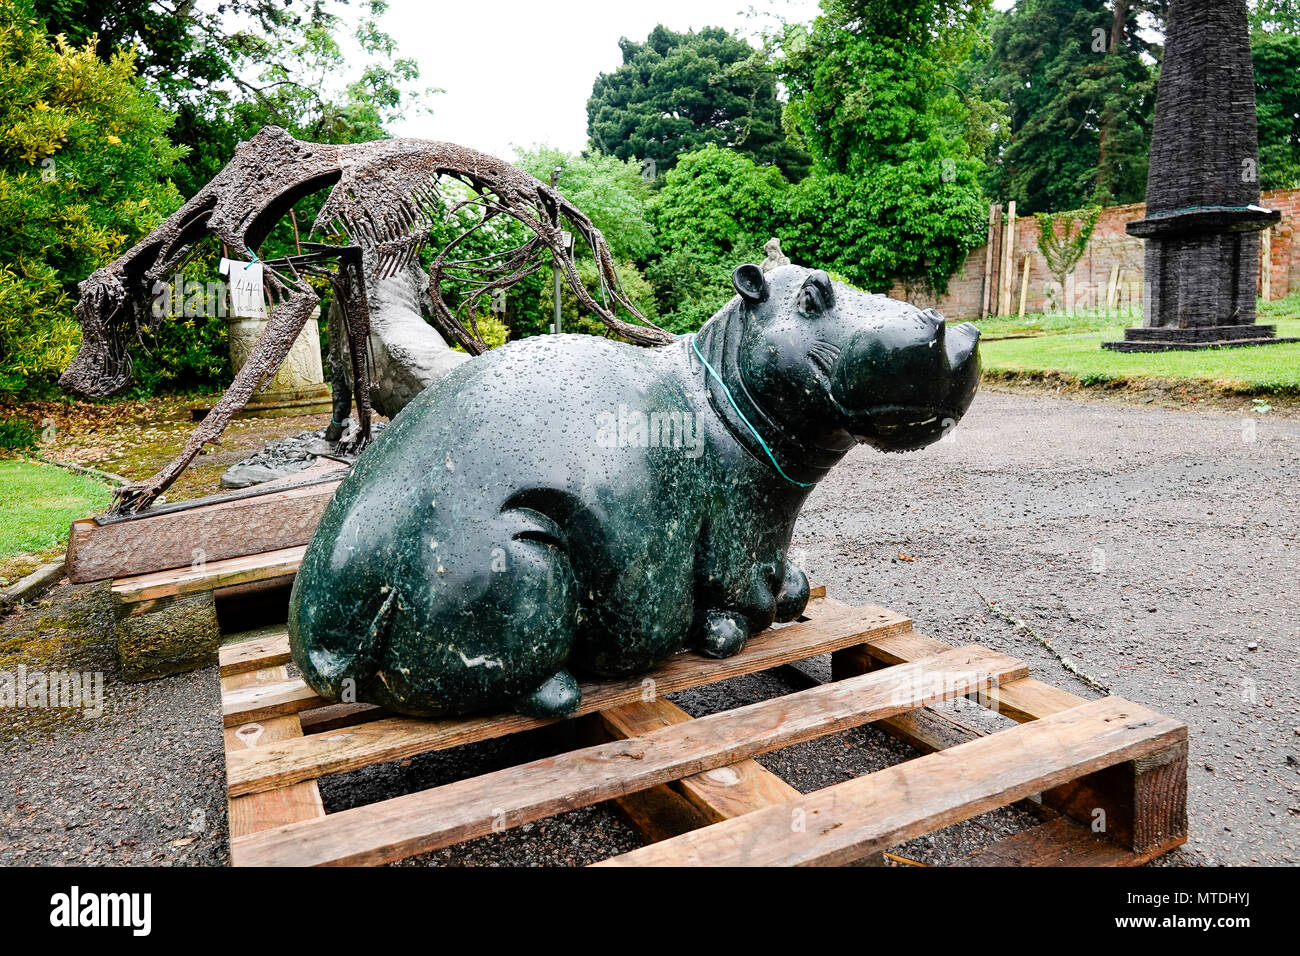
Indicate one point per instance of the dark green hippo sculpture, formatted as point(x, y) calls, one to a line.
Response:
point(568, 503)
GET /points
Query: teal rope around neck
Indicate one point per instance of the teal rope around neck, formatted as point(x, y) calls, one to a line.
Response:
point(752, 430)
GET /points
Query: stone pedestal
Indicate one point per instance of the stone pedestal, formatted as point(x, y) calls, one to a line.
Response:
point(298, 387)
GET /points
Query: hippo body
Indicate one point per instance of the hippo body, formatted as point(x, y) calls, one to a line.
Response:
point(568, 503)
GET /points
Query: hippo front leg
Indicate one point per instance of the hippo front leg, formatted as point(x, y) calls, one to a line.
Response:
point(723, 631)
point(792, 598)
point(720, 633)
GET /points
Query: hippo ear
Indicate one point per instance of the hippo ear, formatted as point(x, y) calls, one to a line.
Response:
point(750, 283)
point(816, 295)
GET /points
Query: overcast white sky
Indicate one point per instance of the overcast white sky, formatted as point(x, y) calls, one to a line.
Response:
point(518, 72)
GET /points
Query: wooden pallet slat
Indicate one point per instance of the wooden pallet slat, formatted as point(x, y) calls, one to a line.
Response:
point(268, 647)
point(396, 738)
point(209, 575)
point(719, 794)
point(871, 813)
point(430, 819)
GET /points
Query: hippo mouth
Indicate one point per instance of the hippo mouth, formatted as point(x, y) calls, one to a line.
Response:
point(902, 427)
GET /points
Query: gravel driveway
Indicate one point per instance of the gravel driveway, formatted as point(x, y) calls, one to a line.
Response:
point(1150, 550)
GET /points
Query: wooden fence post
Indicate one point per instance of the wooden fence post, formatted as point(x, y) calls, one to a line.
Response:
point(1008, 260)
point(995, 218)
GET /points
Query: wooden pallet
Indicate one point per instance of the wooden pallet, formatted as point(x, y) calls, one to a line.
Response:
point(691, 785)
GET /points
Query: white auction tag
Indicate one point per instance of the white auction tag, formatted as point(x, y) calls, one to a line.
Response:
point(245, 282)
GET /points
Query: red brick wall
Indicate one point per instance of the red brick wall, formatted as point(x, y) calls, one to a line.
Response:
point(1087, 287)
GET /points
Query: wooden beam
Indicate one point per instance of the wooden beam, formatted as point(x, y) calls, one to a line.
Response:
point(714, 795)
point(1008, 260)
point(267, 647)
point(1058, 842)
point(1024, 287)
point(396, 738)
point(208, 576)
point(1141, 807)
point(267, 517)
point(872, 813)
point(995, 218)
point(420, 822)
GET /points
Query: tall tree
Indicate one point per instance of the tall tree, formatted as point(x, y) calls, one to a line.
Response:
point(896, 141)
point(1079, 80)
point(716, 209)
point(1275, 49)
point(227, 70)
point(84, 167)
point(677, 92)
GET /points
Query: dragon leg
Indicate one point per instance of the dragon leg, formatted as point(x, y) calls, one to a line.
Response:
point(340, 350)
point(350, 287)
point(286, 322)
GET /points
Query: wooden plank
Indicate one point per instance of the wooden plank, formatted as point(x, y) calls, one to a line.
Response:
point(419, 822)
point(225, 526)
point(840, 628)
point(1007, 273)
point(396, 738)
point(872, 813)
point(258, 811)
point(718, 794)
point(267, 647)
point(995, 217)
point(1141, 805)
point(1058, 842)
point(896, 649)
point(288, 696)
point(1024, 288)
point(1029, 699)
point(334, 716)
point(208, 576)
point(1021, 700)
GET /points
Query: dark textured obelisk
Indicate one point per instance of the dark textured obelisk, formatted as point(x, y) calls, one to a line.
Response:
point(1202, 215)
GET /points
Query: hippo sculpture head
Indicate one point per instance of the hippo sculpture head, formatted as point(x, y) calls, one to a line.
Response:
point(824, 357)
point(568, 504)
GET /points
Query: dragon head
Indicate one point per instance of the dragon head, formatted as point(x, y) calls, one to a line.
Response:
point(102, 366)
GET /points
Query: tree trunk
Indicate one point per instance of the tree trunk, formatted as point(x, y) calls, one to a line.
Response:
point(1109, 111)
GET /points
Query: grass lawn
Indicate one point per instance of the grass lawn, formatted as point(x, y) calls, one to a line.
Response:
point(38, 502)
point(1073, 347)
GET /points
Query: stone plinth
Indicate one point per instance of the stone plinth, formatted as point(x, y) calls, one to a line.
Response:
point(298, 387)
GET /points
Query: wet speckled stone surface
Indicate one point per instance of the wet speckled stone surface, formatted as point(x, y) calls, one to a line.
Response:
point(567, 505)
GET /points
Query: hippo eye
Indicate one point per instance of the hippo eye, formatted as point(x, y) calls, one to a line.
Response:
point(816, 294)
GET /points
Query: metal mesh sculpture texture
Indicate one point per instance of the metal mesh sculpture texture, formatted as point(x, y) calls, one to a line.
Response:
point(384, 197)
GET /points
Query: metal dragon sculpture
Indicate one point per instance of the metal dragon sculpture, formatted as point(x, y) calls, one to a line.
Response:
point(384, 199)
